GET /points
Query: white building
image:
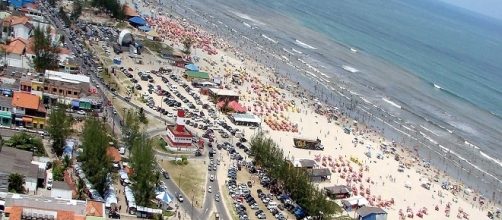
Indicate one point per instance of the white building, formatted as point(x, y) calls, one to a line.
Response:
point(18, 161)
point(20, 27)
point(61, 190)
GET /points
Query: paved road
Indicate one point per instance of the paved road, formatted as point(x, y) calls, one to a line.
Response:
point(220, 206)
point(112, 115)
point(9, 132)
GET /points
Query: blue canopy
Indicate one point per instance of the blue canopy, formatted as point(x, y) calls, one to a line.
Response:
point(68, 149)
point(192, 67)
point(164, 197)
point(138, 21)
point(144, 28)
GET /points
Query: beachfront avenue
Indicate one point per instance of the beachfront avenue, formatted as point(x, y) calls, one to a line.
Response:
point(193, 95)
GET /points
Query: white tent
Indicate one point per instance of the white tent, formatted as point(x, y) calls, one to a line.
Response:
point(164, 197)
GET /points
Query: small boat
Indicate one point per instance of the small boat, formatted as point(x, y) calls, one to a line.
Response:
point(353, 50)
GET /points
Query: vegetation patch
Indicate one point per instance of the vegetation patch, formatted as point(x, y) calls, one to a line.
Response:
point(190, 178)
point(293, 180)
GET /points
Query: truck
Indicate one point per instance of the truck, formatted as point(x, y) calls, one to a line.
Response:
point(308, 144)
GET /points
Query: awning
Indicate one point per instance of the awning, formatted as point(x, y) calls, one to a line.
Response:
point(144, 28)
point(4, 114)
point(26, 119)
point(192, 67)
point(197, 75)
point(139, 21)
point(75, 103)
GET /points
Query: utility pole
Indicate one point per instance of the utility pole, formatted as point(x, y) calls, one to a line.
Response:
point(191, 212)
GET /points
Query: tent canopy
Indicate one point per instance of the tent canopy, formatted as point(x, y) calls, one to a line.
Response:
point(144, 28)
point(164, 197)
point(192, 67)
point(248, 118)
point(139, 21)
point(233, 105)
point(197, 75)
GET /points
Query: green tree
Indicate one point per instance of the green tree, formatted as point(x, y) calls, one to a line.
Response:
point(184, 160)
point(131, 127)
point(80, 189)
point(112, 6)
point(143, 178)
point(27, 142)
point(59, 128)
point(58, 169)
point(77, 10)
point(95, 162)
point(293, 180)
point(142, 116)
point(46, 55)
point(16, 182)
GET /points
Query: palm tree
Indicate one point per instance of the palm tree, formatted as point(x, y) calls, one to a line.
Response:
point(16, 182)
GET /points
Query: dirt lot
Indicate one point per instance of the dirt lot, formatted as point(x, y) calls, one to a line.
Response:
point(190, 178)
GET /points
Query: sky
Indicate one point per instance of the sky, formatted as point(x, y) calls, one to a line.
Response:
point(491, 8)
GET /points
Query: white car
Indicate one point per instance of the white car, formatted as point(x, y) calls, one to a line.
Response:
point(209, 189)
point(211, 178)
point(81, 112)
point(49, 184)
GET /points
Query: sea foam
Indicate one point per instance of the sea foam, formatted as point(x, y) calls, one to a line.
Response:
point(391, 103)
point(304, 45)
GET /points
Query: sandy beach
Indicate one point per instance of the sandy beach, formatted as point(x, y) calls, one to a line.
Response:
point(288, 111)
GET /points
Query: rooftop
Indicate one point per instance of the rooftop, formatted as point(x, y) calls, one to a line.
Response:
point(60, 185)
point(13, 20)
point(77, 207)
point(129, 11)
point(17, 46)
point(337, 189)
point(66, 77)
point(17, 161)
point(197, 74)
point(25, 100)
point(185, 132)
point(307, 163)
point(321, 172)
point(365, 211)
point(114, 154)
point(250, 118)
point(223, 92)
point(6, 101)
point(95, 208)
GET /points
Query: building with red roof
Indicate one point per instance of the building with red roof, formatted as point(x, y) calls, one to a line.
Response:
point(18, 207)
point(129, 11)
point(28, 110)
point(114, 154)
point(177, 136)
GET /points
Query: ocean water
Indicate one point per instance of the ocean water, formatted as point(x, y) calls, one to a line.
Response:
point(425, 68)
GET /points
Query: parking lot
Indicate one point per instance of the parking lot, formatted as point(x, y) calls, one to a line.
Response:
point(247, 187)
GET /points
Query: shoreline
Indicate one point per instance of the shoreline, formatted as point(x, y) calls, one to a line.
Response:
point(322, 91)
point(316, 89)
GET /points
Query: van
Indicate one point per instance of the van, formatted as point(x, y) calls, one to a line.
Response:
point(272, 205)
